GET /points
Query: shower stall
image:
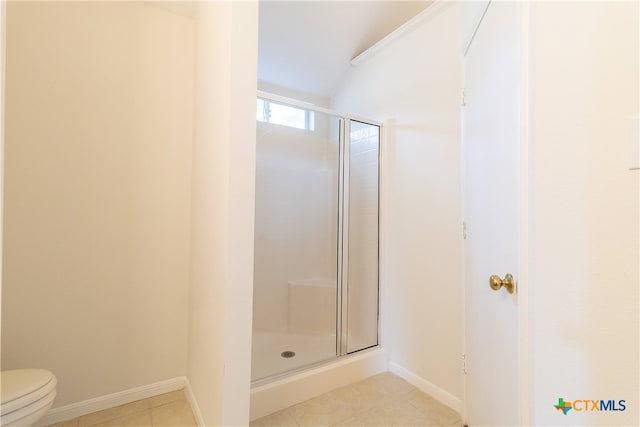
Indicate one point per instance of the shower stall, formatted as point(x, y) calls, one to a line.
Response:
point(316, 237)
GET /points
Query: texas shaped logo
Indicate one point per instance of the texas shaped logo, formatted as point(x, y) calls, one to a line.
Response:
point(563, 406)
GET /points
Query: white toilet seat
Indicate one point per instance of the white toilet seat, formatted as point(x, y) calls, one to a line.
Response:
point(26, 395)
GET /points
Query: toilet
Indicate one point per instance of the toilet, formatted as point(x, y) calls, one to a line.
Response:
point(26, 395)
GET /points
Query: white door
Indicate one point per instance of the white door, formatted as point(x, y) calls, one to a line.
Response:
point(491, 149)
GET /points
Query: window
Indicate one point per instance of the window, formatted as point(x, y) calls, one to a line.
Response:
point(280, 114)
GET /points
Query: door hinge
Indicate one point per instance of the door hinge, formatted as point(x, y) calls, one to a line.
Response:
point(463, 99)
point(464, 363)
point(464, 230)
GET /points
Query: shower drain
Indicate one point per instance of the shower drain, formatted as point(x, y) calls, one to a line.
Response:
point(287, 354)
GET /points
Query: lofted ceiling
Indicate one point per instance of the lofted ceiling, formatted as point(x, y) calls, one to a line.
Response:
point(307, 46)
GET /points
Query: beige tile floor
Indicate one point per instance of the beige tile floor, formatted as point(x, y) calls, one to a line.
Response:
point(383, 400)
point(169, 409)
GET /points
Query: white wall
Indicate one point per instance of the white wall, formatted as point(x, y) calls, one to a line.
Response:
point(585, 230)
point(97, 194)
point(296, 214)
point(416, 80)
point(219, 347)
point(294, 94)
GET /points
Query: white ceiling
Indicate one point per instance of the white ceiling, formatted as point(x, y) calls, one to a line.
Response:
point(307, 46)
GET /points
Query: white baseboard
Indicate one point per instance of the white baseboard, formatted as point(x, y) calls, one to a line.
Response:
point(431, 389)
point(194, 403)
point(107, 401)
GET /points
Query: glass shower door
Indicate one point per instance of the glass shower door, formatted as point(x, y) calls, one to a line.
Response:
point(361, 260)
point(296, 239)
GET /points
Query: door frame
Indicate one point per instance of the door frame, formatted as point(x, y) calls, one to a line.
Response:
point(3, 74)
point(524, 281)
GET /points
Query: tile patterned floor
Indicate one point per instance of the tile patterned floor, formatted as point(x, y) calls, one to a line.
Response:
point(169, 409)
point(383, 400)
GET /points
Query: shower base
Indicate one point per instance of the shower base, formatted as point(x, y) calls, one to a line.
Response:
point(268, 347)
point(296, 387)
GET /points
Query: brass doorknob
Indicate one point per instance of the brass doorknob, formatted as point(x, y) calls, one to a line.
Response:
point(508, 283)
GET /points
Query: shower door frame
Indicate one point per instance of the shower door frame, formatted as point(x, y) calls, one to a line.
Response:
point(343, 227)
point(342, 293)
